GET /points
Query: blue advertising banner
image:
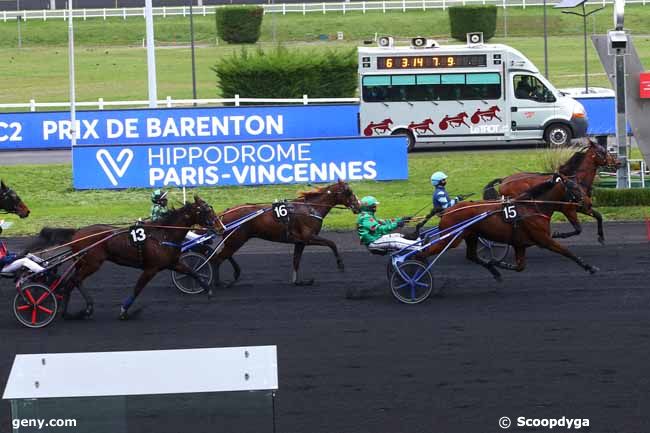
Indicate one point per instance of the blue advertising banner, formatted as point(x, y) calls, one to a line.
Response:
point(51, 130)
point(240, 163)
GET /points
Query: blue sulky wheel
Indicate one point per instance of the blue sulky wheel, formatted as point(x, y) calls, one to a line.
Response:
point(492, 251)
point(195, 261)
point(411, 283)
point(35, 306)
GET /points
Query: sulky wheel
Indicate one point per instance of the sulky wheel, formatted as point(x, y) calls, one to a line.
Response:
point(35, 306)
point(196, 262)
point(412, 283)
point(488, 250)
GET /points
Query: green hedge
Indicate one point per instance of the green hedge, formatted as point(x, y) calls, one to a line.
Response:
point(280, 73)
point(621, 197)
point(239, 24)
point(467, 19)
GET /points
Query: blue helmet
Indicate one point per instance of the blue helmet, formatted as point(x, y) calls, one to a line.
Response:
point(437, 177)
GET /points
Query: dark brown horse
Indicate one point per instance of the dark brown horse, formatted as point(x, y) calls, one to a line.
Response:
point(300, 227)
point(11, 203)
point(151, 247)
point(582, 167)
point(530, 223)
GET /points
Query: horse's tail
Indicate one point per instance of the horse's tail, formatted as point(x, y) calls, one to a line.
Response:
point(490, 192)
point(49, 237)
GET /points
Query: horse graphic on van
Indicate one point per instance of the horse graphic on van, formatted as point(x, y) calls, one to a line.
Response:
point(422, 127)
point(454, 122)
point(379, 128)
point(486, 115)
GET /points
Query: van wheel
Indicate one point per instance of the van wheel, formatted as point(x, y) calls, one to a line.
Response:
point(409, 135)
point(558, 135)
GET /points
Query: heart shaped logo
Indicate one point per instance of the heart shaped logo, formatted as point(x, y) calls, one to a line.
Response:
point(114, 166)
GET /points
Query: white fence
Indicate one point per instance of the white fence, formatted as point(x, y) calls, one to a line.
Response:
point(168, 102)
point(283, 8)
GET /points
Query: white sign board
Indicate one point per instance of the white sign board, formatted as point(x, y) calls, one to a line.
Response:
point(57, 375)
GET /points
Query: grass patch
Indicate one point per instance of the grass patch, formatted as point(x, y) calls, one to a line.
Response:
point(297, 27)
point(54, 202)
point(120, 73)
point(40, 70)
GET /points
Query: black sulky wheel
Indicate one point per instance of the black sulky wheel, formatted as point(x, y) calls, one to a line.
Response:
point(412, 283)
point(492, 251)
point(194, 261)
point(35, 306)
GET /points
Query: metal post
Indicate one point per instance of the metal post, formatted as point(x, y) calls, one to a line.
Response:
point(623, 174)
point(18, 19)
point(545, 44)
point(584, 24)
point(73, 108)
point(193, 58)
point(151, 55)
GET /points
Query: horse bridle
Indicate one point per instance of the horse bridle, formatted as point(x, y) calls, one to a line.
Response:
point(4, 195)
point(338, 194)
point(572, 192)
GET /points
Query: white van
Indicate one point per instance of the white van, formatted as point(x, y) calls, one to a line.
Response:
point(461, 95)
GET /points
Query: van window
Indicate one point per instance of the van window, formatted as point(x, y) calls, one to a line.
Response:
point(530, 87)
point(431, 87)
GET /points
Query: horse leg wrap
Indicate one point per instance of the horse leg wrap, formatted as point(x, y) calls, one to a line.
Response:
point(127, 303)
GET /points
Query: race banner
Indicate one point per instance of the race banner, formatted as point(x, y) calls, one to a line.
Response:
point(52, 130)
point(240, 163)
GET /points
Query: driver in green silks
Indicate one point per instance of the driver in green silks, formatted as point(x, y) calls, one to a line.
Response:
point(376, 234)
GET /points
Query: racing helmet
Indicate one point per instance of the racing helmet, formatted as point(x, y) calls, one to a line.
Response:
point(157, 196)
point(368, 202)
point(437, 177)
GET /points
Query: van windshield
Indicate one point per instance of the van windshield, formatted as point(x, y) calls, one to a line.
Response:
point(530, 87)
point(431, 87)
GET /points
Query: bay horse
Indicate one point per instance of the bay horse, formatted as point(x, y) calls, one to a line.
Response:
point(157, 248)
point(302, 227)
point(583, 166)
point(10, 202)
point(531, 227)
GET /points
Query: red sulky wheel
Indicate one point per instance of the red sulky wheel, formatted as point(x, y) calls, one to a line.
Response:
point(35, 306)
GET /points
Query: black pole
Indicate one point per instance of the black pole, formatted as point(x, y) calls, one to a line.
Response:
point(584, 24)
point(193, 58)
point(545, 44)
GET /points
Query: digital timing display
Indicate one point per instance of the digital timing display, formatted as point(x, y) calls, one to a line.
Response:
point(423, 62)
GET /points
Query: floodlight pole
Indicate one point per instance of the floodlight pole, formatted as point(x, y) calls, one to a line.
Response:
point(193, 58)
point(545, 44)
point(73, 110)
point(622, 151)
point(151, 55)
point(584, 16)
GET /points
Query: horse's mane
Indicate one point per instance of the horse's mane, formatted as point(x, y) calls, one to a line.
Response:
point(306, 195)
point(538, 190)
point(573, 163)
point(173, 214)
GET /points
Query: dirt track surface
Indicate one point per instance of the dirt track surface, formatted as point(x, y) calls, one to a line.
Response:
point(552, 341)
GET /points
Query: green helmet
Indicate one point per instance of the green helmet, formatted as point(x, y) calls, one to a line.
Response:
point(158, 195)
point(368, 202)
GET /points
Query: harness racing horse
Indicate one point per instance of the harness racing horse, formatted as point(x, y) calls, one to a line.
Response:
point(530, 226)
point(301, 227)
point(583, 166)
point(11, 203)
point(151, 247)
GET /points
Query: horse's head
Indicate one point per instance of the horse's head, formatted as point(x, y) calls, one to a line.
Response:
point(388, 121)
point(494, 108)
point(429, 121)
point(10, 202)
point(571, 190)
point(601, 157)
point(342, 195)
point(201, 213)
